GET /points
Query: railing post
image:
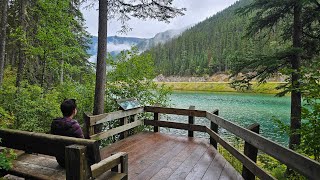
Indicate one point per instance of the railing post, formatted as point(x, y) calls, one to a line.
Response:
point(191, 121)
point(89, 130)
point(123, 121)
point(156, 118)
point(124, 165)
point(251, 152)
point(115, 168)
point(214, 127)
point(77, 167)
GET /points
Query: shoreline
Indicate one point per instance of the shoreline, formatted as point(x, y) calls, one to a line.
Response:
point(265, 88)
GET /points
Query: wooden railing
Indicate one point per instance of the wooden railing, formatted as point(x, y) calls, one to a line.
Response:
point(122, 116)
point(253, 141)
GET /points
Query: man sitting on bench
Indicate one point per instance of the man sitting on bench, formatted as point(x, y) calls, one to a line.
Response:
point(66, 126)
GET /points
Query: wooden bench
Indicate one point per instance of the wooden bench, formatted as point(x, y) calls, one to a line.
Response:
point(82, 157)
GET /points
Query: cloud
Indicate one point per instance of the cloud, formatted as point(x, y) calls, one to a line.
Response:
point(118, 47)
point(93, 59)
point(197, 11)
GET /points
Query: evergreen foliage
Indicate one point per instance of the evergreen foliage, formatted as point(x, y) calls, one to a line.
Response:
point(48, 50)
point(53, 43)
point(209, 46)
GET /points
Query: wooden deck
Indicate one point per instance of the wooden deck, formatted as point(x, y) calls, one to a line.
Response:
point(151, 155)
point(159, 156)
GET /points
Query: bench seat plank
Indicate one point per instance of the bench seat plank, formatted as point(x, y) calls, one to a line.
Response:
point(111, 176)
point(37, 167)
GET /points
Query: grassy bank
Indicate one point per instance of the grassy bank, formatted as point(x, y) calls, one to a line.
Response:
point(267, 88)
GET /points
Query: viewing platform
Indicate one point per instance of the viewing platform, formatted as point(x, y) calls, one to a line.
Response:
point(137, 154)
point(159, 156)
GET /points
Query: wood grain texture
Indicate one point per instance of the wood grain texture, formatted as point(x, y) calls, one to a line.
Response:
point(106, 164)
point(117, 130)
point(102, 118)
point(112, 176)
point(251, 152)
point(34, 171)
point(174, 164)
point(159, 156)
point(47, 144)
point(175, 125)
point(77, 167)
point(252, 166)
point(298, 162)
point(124, 144)
point(202, 165)
point(184, 169)
point(191, 121)
point(176, 111)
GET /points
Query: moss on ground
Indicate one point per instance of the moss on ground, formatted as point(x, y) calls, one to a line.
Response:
point(266, 88)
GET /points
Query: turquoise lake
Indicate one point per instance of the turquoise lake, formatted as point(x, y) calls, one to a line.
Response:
point(240, 108)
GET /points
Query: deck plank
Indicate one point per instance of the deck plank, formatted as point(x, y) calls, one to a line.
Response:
point(124, 144)
point(158, 165)
point(229, 172)
point(147, 147)
point(184, 169)
point(201, 167)
point(215, 169)
point(174, 164)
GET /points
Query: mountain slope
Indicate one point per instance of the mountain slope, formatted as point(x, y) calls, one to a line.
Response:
point(207, 47)
point(160, 38)
point(115, 44)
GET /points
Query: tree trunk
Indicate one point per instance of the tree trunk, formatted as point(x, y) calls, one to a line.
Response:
point(3, 25)
point(101, 61)
point(62, 71)
point(22, 56)
point(43, 73)
point(296, 93)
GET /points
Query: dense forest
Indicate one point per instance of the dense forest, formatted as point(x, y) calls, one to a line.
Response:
point(210, 46)
point(44, 60)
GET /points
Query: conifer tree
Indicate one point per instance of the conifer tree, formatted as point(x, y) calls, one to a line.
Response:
point(3, 26)
point(298, 28)
point(123, 10)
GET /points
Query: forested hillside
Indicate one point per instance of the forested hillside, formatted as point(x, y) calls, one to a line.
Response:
point(46, 42)
point(209, 46)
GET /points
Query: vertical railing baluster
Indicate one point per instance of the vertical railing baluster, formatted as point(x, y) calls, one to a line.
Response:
point(251, 152)
point(191, 121)
point(123, 121)
point(156, 118)
point(214, 127)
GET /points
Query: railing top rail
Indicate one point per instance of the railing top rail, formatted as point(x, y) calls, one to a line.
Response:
point(184, 112)
point(302, 164)
point(102, 118)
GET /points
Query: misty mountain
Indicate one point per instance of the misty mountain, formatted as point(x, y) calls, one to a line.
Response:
point(116, 44)
point(160, 38)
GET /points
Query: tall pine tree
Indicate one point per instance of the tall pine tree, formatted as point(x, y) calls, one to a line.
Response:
point(298, 28)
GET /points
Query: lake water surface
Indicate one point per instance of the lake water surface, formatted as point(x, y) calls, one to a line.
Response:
point(243, 109)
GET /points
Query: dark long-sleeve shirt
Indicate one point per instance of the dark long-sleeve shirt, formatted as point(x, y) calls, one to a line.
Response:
point(65, 127)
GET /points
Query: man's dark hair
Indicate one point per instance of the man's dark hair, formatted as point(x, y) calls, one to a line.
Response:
point(68, 106)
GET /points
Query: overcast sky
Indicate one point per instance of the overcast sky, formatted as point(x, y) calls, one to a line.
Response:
point(197, 11)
